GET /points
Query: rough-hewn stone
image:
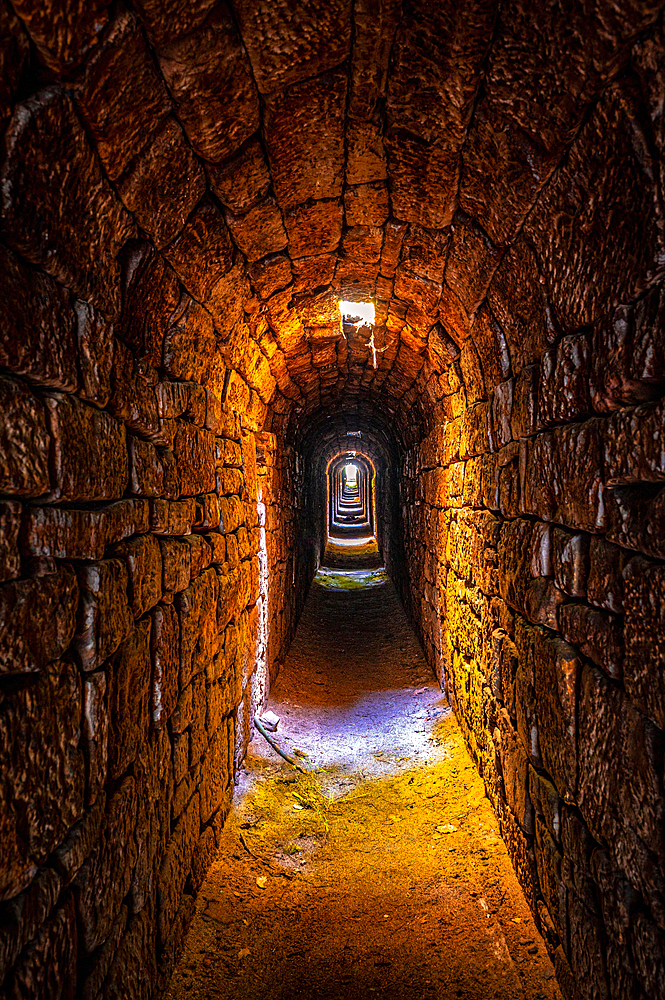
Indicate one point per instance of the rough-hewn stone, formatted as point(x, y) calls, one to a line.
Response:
point(209, 78)
point(42, 771)
point(163, 184)
point(24, 441)
point(57, 205)
point(37, 620)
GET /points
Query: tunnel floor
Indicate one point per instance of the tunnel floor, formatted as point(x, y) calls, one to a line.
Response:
point(379, 873)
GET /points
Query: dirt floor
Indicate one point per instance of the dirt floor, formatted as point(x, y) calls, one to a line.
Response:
point(379, 873)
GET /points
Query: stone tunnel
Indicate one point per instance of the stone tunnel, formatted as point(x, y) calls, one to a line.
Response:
point(189, 190)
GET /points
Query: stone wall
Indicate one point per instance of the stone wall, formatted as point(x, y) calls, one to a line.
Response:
point(132, 654)
point(536, 540)
point(188, 187)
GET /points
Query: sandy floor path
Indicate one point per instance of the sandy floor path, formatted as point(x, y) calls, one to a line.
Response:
point(380, 873)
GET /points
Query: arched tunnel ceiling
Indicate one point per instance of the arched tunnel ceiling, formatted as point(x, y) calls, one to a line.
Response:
point(236, 168)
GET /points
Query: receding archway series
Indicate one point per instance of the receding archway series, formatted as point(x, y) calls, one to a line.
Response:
point(292, 288)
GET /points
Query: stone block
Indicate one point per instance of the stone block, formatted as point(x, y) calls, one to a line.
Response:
point(605, 581)
point(557, 671)
point(546, 802)
point(201, 554)
point(259, 231)
point(176, 564)
point(216, 786)
point(514, 555)
point(143, 558)
point(290, 42)
point(587, 962)
point(47, 967)
point(24, 441)
point(474, 431)
point(79, 842)
point(209, 78)
point(366, 204)
point(80, 534)
point(129, 685)
point(120, 95)
point(133, 969)
point(172, 517)
point(241, 182)
point(636, 518)
point(134, 400)
point(500, 412)
point(228, 602)
point(173, 946)
point(10, 522)
point(521, 855)
point(605, 158)
point(270, 274)
point(366, 158)
point(618, 763)
point(89, 452)
point(233, 514)
point(542, 602)
point(634, 445)
point(42, 772)
point(422, 179)
point(199, 636)
point(60, 212)
point(190, 343)
point(579, 482)
point(597, 634)
point(163, 184)
point(518, 301)
point(628, 354)
point(207, 512)
point(96, 343)
point(524, 416)
point(25, 914)
point(304, 129)
point(472, 376)
point(176, 867)
point(195, 454)
point(150, 295)
point(105, 616)
point(103, 881)
point(644, 634)
point(570, 561)
point(648, 947)
point(563, 393)
point(314, 229)
point(37, 326)
point(146, 472)
point(165, 20)
point(515, 773)
point(37, 620)
point(203, 252)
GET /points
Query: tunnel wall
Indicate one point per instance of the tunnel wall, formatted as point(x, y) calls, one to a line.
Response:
point(135, 650)
point(149, 587)
point(535, 540)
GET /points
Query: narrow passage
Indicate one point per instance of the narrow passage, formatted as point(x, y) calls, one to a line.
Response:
point(379, 874)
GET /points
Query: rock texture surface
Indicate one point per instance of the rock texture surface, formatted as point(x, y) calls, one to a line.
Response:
point(187, 189)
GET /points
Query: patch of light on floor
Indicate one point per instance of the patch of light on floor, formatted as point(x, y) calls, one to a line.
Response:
point(351, 579)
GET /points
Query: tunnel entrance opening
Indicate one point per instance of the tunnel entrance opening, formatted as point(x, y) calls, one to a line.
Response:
point(351, 539)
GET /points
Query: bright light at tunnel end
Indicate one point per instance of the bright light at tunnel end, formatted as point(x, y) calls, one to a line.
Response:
point(358, 313)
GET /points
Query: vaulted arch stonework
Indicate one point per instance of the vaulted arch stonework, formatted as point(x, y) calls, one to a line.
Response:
point(189, 189)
